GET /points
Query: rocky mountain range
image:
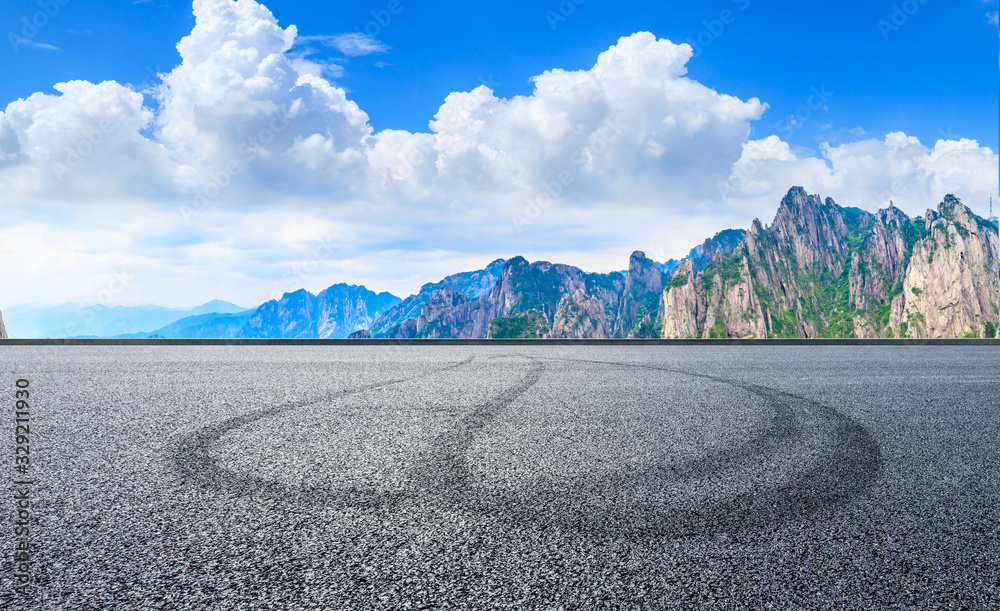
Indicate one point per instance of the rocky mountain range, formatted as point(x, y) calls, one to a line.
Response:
point(822, 270)
point(547, 300)
point(818, 270)
point(524, 302)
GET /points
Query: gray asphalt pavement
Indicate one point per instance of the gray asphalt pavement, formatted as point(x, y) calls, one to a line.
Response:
point(507, 477)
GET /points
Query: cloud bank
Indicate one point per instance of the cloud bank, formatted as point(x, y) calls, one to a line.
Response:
point(245, 157)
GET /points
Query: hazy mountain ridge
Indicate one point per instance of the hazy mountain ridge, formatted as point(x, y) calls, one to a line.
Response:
point(336, 312)
point(821, 270)
point(71, 320)
point(202, 326)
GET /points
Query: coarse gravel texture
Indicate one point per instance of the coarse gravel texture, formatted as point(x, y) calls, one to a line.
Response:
point(508, 477)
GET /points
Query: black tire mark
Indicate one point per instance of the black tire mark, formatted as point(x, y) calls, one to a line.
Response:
point(444, 471)
point(195, 466)
point(784, 428)
point(846, 469)
point(848, 466)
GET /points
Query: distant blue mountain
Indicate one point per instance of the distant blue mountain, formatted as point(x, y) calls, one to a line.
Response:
point(80, 320)
point(336, 313)
point(202, 326)
point(216, 306)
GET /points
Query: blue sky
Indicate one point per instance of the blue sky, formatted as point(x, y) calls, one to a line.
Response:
point(934, 75)
point(407, 140)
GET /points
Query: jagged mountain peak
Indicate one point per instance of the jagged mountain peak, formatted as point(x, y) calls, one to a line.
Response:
point(950, 201)
point(954, 211)
point(798, 208)
point(953, 208)
point(797, 204)
point(824, 270)
point(643, 274)
point(890, 215)
point(812, 230)
point(820, 219)
point(336, 311)
point(299, 294)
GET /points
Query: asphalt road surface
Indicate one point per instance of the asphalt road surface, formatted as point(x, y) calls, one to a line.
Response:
point(507, 477)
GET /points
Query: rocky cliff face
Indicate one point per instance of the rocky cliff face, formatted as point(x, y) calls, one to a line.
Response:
point(336, 312)
point(640, 310)
point(3, 329)
point(821, 270)
point(950, 285)
point(684, 307)
point(526, 325)
point(719, 306)
point(581, 315)
point(448, 314)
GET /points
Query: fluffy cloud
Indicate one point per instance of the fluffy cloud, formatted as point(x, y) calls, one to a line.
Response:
point(84, 143)
point(241, 111)
point(631, 124)
point(248, 133)
point(868, 173)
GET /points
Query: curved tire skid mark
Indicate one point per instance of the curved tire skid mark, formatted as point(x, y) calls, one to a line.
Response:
point(848, 467)
point(850, 464)
point(782, 431)
point(444, 472)
point(442, 476)
point(194, 464)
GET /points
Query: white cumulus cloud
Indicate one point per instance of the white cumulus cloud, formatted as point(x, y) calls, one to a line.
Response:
point(867, 174)
point(248, 131)
point(83, 144)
